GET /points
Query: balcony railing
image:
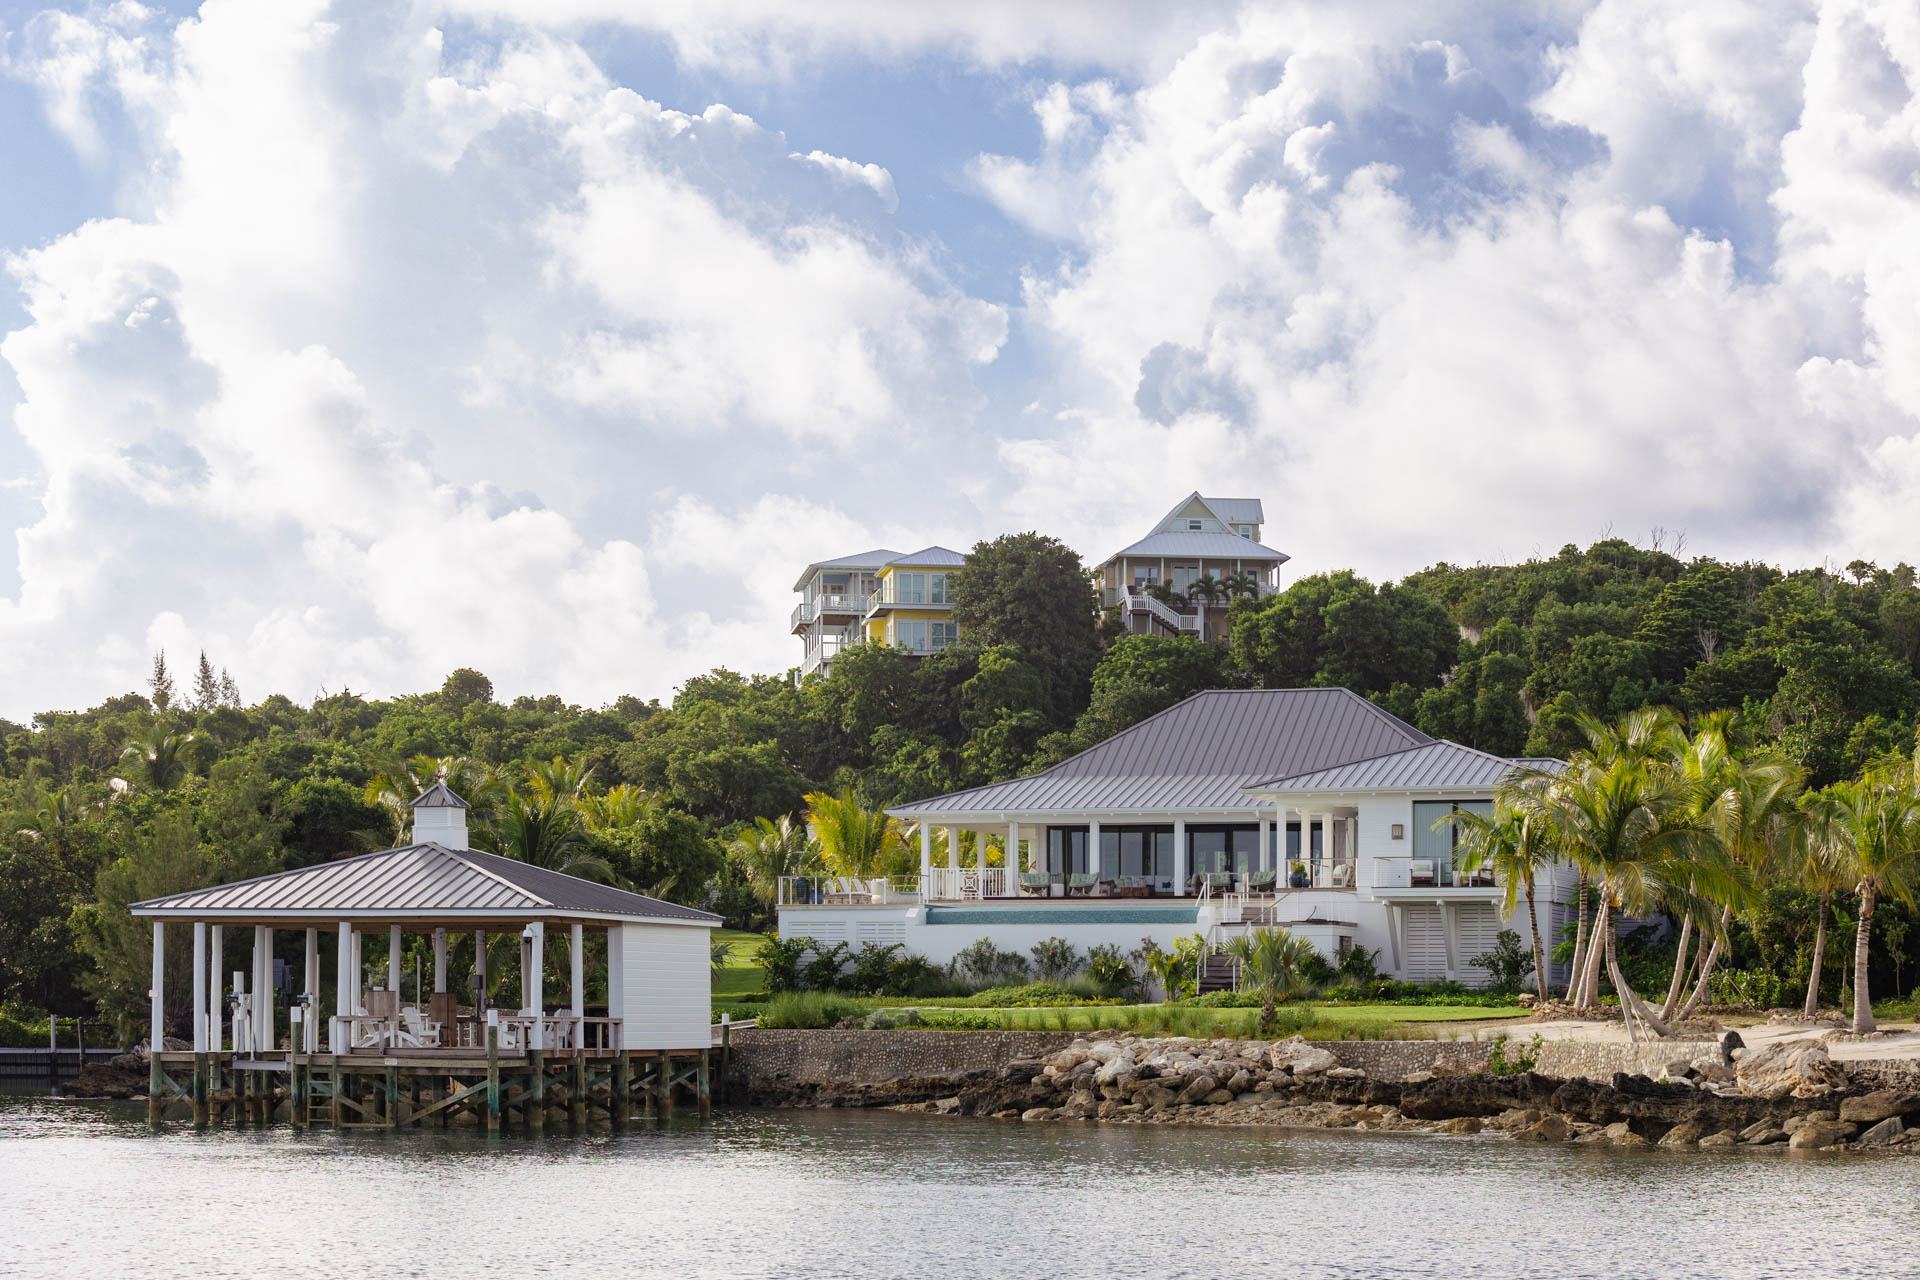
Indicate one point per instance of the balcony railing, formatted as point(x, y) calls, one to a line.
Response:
point(946, 884)
point(849, 605)
point(1408, 872)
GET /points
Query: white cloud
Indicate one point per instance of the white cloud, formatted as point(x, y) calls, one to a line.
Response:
point(395, 359)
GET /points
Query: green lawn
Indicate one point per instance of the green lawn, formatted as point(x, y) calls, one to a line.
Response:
point(1361, 1021)
point(742, 975)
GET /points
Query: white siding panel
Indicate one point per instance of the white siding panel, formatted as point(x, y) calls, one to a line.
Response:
point(1477, 929)
point(667, 986)
point(884, 932)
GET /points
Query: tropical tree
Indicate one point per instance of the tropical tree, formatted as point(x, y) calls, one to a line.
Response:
point(1817, 867)
point(1872, 827)
point(546, 831)
point(1626, 815)
point(158, 761)
point(770, 850)
point(1205, 588)
point(1274, 963)
point(1235, 585)
point(558, 779)
point(396, 783)
point(615, 809)
point(855, 840)
point(1511, 841)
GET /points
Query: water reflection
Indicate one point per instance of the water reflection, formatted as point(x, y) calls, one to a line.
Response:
point(86, 1188)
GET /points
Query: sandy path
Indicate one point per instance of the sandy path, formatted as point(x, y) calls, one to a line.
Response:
point(1905, 1043)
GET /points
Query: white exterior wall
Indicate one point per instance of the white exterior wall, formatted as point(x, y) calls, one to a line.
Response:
point(665, 985)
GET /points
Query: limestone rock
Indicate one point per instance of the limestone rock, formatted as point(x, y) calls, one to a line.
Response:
point(1037, 1113)
point(1815, 1134)
point(1881, 1134)
point(1460, 1125)
point(1198, 1087)
point(1304, 1060)
point(1767, 1137)
point(1792, 1068)
point(1881, 1104)
point(1346, 1073)
point(1216, 1097)
point(1681, 1135)
point(1545, 1129)
point(1724, 1138)
point(1114, 1069)
point(1239, 1081)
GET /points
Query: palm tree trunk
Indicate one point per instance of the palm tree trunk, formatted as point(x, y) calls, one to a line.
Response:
point(1679, 968)
point(1706, 966)
point(1812, 1005)
point(1631, 1005)
point(1539, 955)
point(1577, 971)
point(1589, 977)
point(1862, 1005)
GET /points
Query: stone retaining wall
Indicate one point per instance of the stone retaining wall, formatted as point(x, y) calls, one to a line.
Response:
point(874, 1057)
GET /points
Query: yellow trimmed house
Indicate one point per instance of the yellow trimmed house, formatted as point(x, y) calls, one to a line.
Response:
point(912, 604)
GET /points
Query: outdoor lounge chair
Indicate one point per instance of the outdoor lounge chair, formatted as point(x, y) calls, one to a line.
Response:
point(1343, 875)
point(414, 1031)
point(1081, 883)
point(1034, 884)
point(1133, 886)
point(1259, 881)
point(1104, 885)
point(1420, 871)
point(1219, 881)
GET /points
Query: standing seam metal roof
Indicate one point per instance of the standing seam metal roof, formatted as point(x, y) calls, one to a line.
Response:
point(1214, 546)
point(422, 878)
point(1434, 765)
point(1201, 753)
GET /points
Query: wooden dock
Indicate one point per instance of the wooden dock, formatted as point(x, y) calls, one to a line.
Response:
point(372, 1090)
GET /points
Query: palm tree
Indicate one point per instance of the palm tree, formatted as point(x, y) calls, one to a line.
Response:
point(1206, 587)
point(769, 851)
point(157, 758)
point(1631, 823)
point(855, 840)
point(1749, 807)
point(1166, 595)
point(1872, 827)
point(618, 808)
point(1274, 963)
point(1511, 840)
point(558, 779)
point(397, 783)
point(1818, 868)
point(1240, 584)
point(547, 832)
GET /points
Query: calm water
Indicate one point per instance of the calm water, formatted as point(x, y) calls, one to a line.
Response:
point(86, 1191)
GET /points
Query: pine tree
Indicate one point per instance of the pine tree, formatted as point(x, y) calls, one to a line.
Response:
point(229, 691)
point(161, 682)
point(206, 689)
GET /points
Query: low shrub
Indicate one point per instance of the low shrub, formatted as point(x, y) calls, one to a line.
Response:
point(1502, 1063)
point(1055, 959)
point(1752, 987)
point(808, 1010)
point(1115, 973)
point(1040, 995)
point(780, 960)
point(982, 964)
point(873, 968)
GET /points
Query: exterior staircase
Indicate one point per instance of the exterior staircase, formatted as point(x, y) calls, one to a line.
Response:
point(1218, 972)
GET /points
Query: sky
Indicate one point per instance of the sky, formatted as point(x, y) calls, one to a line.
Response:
point(355, 343)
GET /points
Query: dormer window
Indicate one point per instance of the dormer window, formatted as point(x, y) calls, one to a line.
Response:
point(1244, 530)
point(1195, 526)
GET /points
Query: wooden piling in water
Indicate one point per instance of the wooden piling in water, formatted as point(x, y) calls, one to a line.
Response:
point(621, 1104)
point(702, 1086)
point(199, 1090)
point(493, 1079)
point(577, 1090)
point(536, 1107)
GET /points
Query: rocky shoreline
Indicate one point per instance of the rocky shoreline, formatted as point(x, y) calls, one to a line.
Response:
point(1786, 1096)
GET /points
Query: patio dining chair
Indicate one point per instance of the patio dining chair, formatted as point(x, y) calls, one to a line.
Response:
point(1081, 883)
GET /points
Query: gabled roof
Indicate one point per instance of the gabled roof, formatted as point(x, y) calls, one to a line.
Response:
point(1199, 754)
point(439, 796)
point(936, 557)
point(1237, 510)
point(1213, 546)
point(418, 880)
point(1435, 766)
point(865, 560)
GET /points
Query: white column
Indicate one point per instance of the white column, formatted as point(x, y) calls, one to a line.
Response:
point(1263, 859)
point(310, 1041)
point(578, 954)
point(538, 1003)
point(216, 987)
point(156, 994)
point(926, 857)
point(480, 968)
point(616, 977)
point(393, 962)
point(268, 1039)
point(337, 1041)
point(1093, 848)
point(359, 966)
point(439, 961)
point(199, 986)
point(953, 861)
point(1013, 859)
point(1180, 857)
point(257, 982)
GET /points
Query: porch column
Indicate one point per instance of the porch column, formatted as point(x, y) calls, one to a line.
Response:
point(1316, 874)
point(480, 972)
point(199, 986)
point(393, 962)
point(156, 994)
point(1013, 858)
point(926, 858)
point(953, 854)
point(310, 1034)
point(539, 1001)
point(1263, 860)
point(262, 984)
point(578, 954)
point(216, 987)
point(616, 976)
point(1179, 857)
point(359, 968)
point(439, 961)
point(1093, 847)
point(338, 1039)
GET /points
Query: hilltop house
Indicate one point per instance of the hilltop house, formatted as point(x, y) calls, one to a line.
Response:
point(876, 597)
point(833, 605)
point(1308, 809)
point(1211, 539)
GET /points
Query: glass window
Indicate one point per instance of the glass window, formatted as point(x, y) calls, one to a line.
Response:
point(943, 635)
point(1208, 849)
point(911, 635)
point(909, 588)
point(1066, 850)
point(1245, 850)
point(937, 589)
point(1195, 526)
point(1244, 530)
point(1437, 846)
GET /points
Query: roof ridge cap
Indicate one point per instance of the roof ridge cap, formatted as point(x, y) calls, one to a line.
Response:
point(459, 855)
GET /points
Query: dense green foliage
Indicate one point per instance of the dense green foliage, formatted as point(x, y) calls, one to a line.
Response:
point(149, 792)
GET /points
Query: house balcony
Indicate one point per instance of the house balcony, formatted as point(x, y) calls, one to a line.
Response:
point(829, 608)
point(1410, 879)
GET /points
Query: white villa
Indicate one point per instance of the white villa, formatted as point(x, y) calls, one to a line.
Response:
point(1201, 538)
point(1309, 809)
